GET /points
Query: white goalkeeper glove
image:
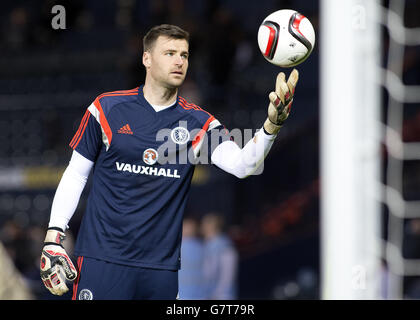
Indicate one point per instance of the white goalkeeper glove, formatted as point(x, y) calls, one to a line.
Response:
point(55, 264)
point(280, 101)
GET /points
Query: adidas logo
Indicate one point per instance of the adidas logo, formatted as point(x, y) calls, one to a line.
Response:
point(125, 129)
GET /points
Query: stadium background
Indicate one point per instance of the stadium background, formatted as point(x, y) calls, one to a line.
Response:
point(48, 77)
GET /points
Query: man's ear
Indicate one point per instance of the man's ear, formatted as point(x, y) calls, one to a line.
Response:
point(146, 59)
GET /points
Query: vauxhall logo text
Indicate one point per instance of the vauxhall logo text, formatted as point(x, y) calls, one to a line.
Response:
point(150, 171)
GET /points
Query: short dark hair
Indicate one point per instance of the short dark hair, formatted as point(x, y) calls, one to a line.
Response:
point(167, 30)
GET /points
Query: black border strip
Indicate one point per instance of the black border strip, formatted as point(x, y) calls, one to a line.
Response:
point(297, 35)
point(276, 27)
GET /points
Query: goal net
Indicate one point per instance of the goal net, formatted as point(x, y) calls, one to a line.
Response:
point(369, 209)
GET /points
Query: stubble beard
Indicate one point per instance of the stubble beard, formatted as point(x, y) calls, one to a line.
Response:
point(173, 85)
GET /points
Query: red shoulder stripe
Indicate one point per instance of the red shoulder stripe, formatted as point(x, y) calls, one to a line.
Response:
point(103, 121)
point(119, 92)
point(134, 93)
point(81, 132)
point(82, 127)
point(188, 106)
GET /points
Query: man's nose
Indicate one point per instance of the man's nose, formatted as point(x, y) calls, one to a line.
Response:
point(179, 61)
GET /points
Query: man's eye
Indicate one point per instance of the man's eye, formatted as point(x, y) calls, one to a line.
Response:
point(169, 53)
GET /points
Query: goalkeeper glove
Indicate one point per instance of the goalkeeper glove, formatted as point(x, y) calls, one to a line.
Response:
point(280, 102)
point(55, 264)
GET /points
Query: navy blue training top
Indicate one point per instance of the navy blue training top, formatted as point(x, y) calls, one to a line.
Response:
point(144, 163)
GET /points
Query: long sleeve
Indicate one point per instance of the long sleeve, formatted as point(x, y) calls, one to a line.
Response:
point(244, 162)
point(69, 190)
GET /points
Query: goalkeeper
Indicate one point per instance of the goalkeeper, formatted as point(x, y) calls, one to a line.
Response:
point(128, 244)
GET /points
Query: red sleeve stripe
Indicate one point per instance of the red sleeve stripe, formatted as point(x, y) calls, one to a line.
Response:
point(201, 133)
point(78, 136)
point(102, 119)
point(80, 127)
point(81, 133)
point(103, 122)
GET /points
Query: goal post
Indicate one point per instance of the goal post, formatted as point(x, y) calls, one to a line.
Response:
point(350, 139)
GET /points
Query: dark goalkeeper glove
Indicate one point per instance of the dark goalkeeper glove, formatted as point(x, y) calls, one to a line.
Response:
point(55, 264)
point(280, 101)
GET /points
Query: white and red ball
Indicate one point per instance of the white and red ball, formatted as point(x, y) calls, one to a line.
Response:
point(286, 38)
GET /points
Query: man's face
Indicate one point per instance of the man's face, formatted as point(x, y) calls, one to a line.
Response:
point(167, 61)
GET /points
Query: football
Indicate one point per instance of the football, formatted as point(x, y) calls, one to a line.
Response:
point(286, 38)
